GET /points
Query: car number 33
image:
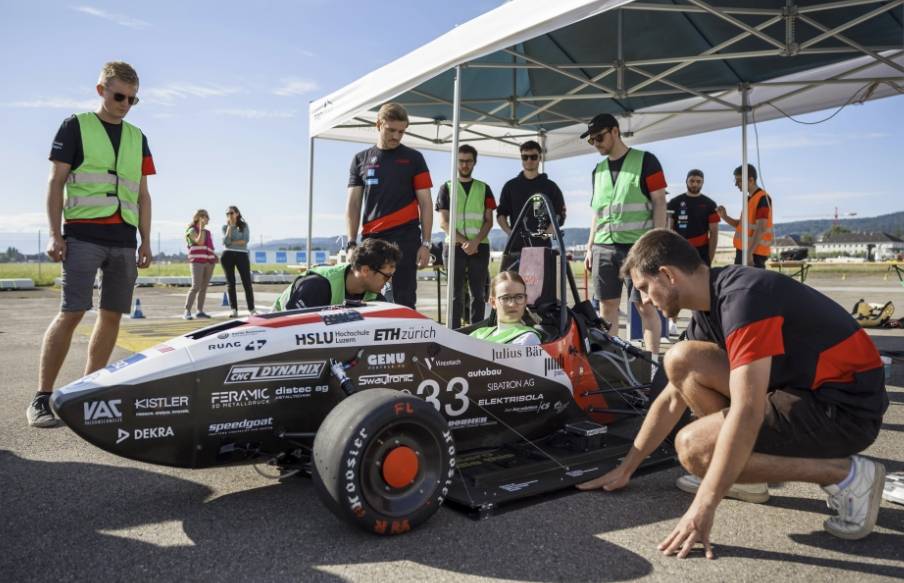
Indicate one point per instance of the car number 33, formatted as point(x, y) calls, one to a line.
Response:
point(456, 385)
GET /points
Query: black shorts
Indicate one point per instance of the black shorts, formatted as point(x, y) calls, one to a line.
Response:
point(797, 424)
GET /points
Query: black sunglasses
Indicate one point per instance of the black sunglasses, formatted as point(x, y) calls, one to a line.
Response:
point(527, 157)
point(388, 276)
point(598, 138)
point(122, 97)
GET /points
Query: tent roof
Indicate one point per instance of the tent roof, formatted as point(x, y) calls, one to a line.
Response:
point(665, 68)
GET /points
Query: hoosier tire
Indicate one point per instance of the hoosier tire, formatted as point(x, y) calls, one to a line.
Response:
point(383, 461)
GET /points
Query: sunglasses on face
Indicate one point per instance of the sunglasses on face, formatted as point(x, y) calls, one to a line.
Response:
point(123, 97)
point(598, 138)
point(527, 157)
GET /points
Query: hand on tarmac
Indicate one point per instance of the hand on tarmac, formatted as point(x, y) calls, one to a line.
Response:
point(694, 527)
point(612, 480)
point(56, 248)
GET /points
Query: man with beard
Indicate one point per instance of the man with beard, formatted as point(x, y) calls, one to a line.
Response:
point(785, 387)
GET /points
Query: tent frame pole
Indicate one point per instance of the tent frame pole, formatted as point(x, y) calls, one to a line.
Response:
point(309, 245)
point(745, 218)
point(453, 198)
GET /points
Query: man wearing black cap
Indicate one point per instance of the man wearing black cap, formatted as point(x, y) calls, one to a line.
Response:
point(628, 200)
point(693, 216)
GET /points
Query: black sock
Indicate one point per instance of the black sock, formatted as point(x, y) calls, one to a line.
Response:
point(45, 394)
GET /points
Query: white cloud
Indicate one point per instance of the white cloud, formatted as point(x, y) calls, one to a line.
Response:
point(306, 53)
point(56, 103)
point(171, 92)
point(120, 19)
point(26, 223)
point(257, 113)
point(295, 86)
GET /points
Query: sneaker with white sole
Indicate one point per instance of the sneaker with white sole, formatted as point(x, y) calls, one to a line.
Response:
point(857, 504)
point(187, 316)
point(202, 315)
point(754, 493)
point(39, 413)
point(673, 328)
point(234, 314)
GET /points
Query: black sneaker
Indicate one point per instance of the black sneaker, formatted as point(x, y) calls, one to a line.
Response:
point(39, 413)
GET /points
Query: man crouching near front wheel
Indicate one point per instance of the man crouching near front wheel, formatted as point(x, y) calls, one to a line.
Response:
point(784, 384)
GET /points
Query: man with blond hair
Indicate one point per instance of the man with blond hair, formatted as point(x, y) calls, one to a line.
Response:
point(97, 199)
point(389, 184)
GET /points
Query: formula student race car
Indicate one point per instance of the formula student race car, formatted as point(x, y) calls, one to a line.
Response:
point(389, 412)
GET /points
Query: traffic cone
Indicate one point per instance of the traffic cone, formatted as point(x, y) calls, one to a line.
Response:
point(137, 314)
point(225, 301)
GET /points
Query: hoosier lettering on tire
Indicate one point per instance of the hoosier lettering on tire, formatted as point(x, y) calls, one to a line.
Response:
point(384, 461)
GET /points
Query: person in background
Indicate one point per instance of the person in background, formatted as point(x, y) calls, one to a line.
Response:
point(508, 296)
point(236, 235)
point(202, 260)
point(759, 211)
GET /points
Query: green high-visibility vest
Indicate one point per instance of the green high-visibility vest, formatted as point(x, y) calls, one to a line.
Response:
point(504, 335)
point(335, 275)
point(471, 208)
point(105, 180)
point(623, 212)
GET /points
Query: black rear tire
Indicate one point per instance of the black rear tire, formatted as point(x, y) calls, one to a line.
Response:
point(384, 461)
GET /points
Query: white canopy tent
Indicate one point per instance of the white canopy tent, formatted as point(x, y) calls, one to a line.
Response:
point(667, 68)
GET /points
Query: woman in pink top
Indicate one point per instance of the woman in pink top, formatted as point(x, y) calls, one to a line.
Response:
point(202, 260)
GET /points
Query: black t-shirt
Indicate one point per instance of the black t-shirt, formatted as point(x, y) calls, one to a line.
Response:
point(312, 290)
point(692, 217)
point(653, 178)
point(814, 343)
point(514, 196)
point(67, 148)
point(390, 179)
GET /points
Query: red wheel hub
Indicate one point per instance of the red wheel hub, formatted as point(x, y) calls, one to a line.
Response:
point(400, 467)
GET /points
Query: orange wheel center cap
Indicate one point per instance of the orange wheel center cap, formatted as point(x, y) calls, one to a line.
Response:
point(400, 467)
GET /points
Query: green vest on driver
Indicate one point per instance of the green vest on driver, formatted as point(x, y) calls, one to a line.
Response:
point(470, 208)
point(335, 275)
point(503, 336)
point(623, 211)
point(106, 180)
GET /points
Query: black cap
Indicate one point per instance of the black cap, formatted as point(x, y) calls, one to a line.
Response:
point(602, 121)
point(694, 172)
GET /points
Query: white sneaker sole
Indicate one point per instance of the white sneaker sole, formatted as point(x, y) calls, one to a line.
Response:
point(733, 492)
point(875, 500)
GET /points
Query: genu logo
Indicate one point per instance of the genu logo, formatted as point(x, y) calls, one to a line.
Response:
point(99, 412)
point(389, 360)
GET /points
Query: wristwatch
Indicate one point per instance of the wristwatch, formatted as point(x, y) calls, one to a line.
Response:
point(426, 243)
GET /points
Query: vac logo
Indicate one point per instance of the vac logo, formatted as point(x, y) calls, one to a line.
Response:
point(100, 412)
point(245, 373)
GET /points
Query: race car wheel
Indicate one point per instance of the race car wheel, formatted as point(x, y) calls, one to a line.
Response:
point(384, 460)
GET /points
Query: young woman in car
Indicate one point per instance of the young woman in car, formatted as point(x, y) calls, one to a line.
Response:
point(508, 296)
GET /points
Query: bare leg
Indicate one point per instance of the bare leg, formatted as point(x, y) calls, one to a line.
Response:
point(55, 347)
point(103, 339)
point(609, 313)
point(652, 327)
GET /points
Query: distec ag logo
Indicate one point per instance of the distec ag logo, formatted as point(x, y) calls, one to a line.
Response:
point(250, 373)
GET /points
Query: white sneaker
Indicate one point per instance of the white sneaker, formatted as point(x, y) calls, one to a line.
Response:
point(857, 504)
point(673, 328)
point(187, 316)
point(234, 314)
point(754, 493)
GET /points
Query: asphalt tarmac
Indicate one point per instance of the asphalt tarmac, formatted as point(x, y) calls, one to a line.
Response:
point(69, 511)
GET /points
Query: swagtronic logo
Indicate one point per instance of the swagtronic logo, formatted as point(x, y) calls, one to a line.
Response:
point(242, 398)
point(391, 360)
point(370, 380)
point(151, 406)
point(249, 373)
point(100, 412)
point(240, 426)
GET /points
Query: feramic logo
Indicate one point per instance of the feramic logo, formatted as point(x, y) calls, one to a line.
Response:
point(370, 380)
point(240, 398)
point(240, 426)
point(249, 373)
point(101, 412)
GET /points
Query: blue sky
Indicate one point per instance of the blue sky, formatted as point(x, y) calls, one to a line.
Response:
point(224, 94)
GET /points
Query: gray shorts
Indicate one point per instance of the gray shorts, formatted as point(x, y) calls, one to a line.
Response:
point(83, 259)
point(607, 284)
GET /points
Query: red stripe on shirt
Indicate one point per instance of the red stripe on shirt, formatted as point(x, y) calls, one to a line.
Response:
point(699, 240)
point(422, 181)
point(755, 341)
point(656, 181)
point(489, 202)
point(714, 218)
point(147, 166)
point(837, 364)
point(762, 213)
point(406, 214)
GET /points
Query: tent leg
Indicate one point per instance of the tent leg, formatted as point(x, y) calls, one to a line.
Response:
point(309, 244)
point(745, 219)
point(453, 196)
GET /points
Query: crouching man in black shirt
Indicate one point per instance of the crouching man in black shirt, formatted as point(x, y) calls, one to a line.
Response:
point(784, 384)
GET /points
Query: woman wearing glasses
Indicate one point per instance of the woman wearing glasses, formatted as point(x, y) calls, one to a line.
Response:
point(202, 260)
point(508, 296)
point(235, 255)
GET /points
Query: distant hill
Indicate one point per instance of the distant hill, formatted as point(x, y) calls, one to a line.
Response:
point(892, 223)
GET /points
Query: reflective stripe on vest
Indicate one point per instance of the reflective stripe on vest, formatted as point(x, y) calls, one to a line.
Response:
point(105, 180)
point(335, 274)
point(471, 207)
point(623, 211)
point(504, 335)
point(763, 249)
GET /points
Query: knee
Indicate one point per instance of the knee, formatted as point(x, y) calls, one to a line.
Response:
point(677, 362)
point(693, 451)
point(67, 320)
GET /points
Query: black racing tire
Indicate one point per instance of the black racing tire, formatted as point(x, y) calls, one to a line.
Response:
point(384, 461)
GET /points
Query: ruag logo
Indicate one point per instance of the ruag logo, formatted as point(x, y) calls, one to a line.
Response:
point(250, 373)
point(390, 360)
point(223, 345)
point(370, 380)
point(151, 406)
point(145, 433)
point(314, 338)
point(240, 398)
point(245, 425)
point(101, 412)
